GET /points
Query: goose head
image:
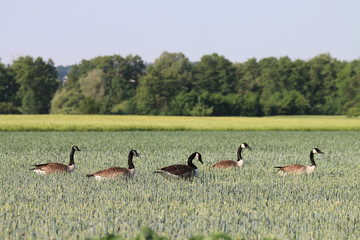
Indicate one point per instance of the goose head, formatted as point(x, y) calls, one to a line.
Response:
point(245, 145)
point(75, 148)
point(134, 152)
point(316, 151)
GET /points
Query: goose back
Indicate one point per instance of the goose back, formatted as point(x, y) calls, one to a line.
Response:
point(225, 164)
point(112, 173)
point(50, 168)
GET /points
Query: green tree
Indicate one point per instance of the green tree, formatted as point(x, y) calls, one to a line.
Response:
point(38, 82)
point(183, 103)
point(203, 107)
point(8, 89)
point(248, 88)
point(124, 81)
point(348, 83)
point(93, 85)
point(107, 82)
point(215, 73)
point(286, 103)
point(251, 104)
point(66, 101)
point(246, 76)
point(291, 75)
point(320, 89)
point(8, 85)
point(268, 80)
point(170, 75)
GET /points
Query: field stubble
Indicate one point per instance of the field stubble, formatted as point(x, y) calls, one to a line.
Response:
point(253, 202)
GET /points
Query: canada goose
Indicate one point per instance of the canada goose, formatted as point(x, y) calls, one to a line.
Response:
point(57, 167)
point(180, 170)
point(224, 164)
point(298, 168)
point(114, 172)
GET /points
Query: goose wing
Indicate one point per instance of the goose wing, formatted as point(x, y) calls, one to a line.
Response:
point(225, 164)
point(110, 172)
point(294, 168)
point(51, 167)
point(178, 170)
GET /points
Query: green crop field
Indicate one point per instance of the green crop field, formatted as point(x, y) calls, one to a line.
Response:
point(174, 123)
point(252, 203)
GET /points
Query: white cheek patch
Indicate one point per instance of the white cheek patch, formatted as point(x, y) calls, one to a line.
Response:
point(314, 151)
point(197, 156)
point(243, 145)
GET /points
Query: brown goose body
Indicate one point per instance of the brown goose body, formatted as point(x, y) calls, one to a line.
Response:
point(181, 171)
point(115, 172)
point(47, 168)
point(112, 172)
point(293, 169)
point(297, 169)
point(178, 170)
point(226, 164)
point(51, 167)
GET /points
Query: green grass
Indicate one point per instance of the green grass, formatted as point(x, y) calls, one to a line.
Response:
point(251, 203)
point(148, 234)
point(173, 123)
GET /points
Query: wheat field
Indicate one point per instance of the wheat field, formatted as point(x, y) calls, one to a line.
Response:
point(252, 203)
point(175, 123)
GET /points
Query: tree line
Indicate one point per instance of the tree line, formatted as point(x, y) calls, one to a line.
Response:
point(173, 85)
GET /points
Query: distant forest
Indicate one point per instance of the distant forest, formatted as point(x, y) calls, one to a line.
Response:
point(173, 85)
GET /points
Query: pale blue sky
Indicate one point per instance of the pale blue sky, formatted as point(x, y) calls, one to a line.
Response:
point(70, 30)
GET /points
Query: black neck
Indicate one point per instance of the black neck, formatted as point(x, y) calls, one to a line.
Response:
point(312, 159)
point(239, 157)
point(130, 160)
point(72, 157)
point(190, 161)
